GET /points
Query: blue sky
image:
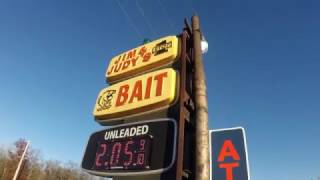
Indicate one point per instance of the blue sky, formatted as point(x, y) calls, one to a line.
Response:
point(262, 72)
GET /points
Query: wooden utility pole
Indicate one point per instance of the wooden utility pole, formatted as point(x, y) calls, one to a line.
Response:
point(201, 107)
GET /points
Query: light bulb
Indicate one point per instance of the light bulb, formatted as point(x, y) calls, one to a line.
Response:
point(204, 45)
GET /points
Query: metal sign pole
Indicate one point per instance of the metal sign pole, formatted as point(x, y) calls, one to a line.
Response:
point(182, 115)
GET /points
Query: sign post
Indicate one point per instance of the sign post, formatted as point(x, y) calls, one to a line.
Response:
point(162, 79)
point(149, 81)
point(228, 155)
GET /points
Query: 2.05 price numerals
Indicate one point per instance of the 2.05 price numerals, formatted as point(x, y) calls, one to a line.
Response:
point(133, 153)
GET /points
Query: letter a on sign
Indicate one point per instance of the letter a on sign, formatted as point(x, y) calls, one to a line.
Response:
point(228, 155)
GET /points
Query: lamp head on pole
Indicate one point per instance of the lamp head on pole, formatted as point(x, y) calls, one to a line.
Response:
point(204, 45)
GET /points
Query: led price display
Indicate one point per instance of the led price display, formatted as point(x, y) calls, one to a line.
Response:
point(145, 147)
point(132, 153)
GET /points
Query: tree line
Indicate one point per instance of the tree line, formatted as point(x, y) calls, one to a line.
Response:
point(35, 168)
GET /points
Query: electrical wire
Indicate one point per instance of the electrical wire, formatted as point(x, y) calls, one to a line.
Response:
point(172, 24)
point(129, 19)
point(145, 18)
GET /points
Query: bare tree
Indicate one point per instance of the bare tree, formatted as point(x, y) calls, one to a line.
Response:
point(35, 168)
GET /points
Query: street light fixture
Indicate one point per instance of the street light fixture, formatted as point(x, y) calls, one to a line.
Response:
point(204, 45)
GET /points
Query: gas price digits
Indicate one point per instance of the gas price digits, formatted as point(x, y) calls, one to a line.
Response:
point(133, 153)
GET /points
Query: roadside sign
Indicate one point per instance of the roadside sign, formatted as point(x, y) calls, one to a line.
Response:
point(140, 148)
point(228, 154)
point(155, 90)
point(149, 56)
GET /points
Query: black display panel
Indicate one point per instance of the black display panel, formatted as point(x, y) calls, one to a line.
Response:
point(146, 147)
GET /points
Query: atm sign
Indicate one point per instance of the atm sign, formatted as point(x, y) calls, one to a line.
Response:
point(143, 93)
point(228, 155)
point(149, 56)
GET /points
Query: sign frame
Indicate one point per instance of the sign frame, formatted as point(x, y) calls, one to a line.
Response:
point(145, 172)
point(244, 143)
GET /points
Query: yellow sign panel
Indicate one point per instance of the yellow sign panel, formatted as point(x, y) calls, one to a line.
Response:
point(152, 55)
point(143, 93)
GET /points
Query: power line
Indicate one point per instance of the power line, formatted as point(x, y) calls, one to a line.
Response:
point(145, 18)
point(168, 17)
point(129, 19)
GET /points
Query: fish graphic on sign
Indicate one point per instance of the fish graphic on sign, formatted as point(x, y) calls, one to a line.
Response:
point(104, 101)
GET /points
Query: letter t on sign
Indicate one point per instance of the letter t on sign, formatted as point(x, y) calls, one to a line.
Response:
point(229, 169)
